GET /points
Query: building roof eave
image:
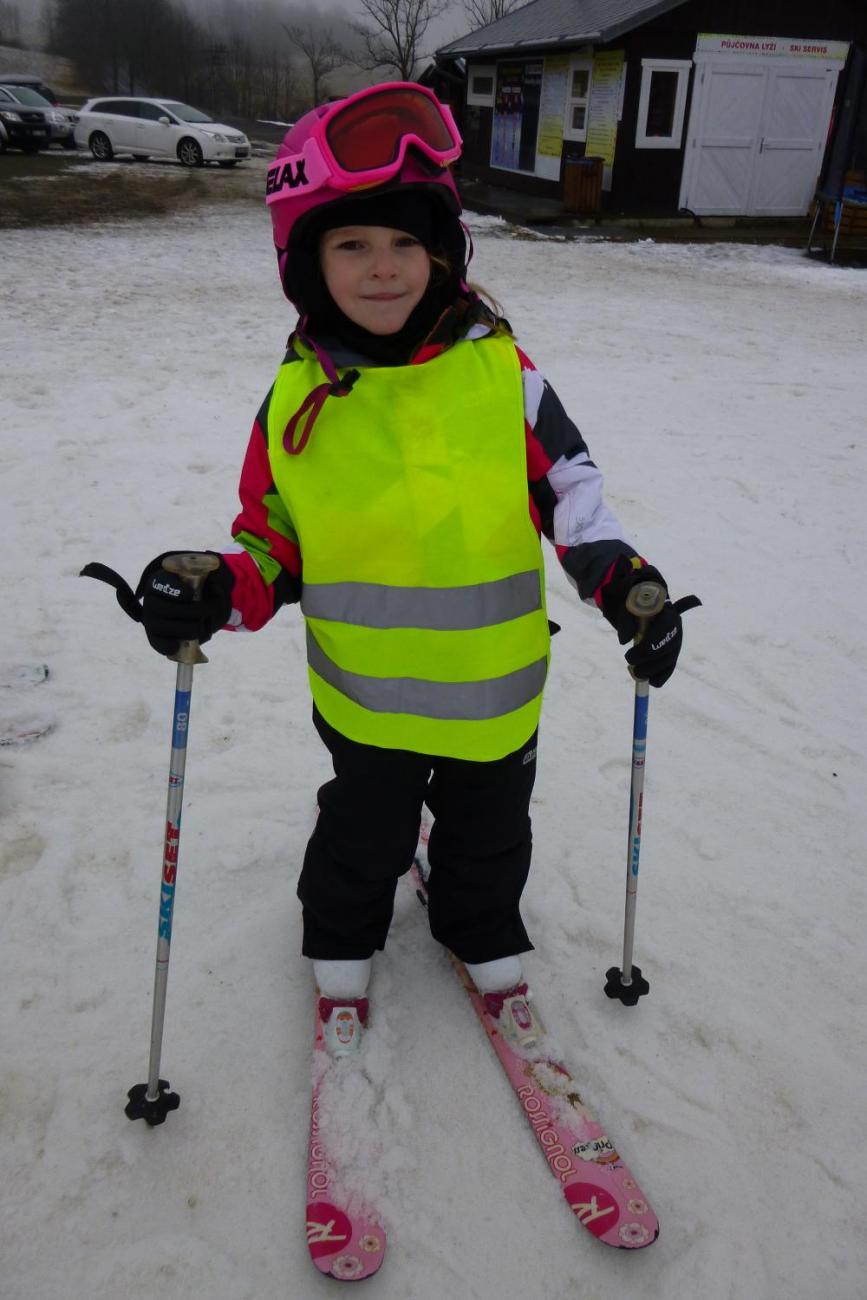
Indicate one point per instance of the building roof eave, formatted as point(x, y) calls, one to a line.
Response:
point(546, 42)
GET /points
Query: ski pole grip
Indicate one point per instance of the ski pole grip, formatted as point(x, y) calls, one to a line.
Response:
point(644, 601)
point(192, 568)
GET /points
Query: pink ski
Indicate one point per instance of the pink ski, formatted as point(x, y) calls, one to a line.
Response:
point(345, 1245)
point(599, 1188)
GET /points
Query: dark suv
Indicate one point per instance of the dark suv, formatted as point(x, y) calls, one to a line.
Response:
point(25, 126)
point(62, 120)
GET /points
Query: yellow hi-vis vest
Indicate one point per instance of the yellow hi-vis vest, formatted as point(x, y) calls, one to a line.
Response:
point(423, 579)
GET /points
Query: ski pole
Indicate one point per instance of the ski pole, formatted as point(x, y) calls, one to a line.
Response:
point(644, 601)
point(152, 1101)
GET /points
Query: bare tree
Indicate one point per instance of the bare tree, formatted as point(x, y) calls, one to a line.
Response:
point(397, 31)
point(10, 23)
point(49, 24)
point(482, 12)
point(320, 49)
point(228, 64)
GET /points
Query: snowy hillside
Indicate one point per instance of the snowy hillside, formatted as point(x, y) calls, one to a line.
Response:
point(722, 391)
point(58, 72)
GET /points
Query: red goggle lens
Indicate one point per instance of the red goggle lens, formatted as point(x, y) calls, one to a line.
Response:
point(368, 133)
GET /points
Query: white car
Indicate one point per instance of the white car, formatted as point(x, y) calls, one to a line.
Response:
point(157, 128)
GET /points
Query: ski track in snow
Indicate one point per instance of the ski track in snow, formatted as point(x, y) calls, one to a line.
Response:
point(721, 389)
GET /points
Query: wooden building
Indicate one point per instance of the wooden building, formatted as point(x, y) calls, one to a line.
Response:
point(722, 107)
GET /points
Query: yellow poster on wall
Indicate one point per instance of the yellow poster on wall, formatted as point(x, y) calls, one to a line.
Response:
point(604, 105)
point(552, 104)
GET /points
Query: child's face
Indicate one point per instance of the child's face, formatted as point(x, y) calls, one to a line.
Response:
point(376, 275)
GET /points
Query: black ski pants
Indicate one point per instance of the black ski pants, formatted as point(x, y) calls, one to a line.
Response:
point(366, 837)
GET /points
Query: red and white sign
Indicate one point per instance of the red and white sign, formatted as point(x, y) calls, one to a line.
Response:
point(785, 47)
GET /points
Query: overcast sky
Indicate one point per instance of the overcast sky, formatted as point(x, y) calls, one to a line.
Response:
point(447, 28)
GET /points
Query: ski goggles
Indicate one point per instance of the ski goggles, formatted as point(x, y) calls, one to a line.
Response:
point(362, 141)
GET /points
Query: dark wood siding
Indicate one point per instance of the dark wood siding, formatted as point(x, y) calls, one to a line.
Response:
point(648, 180)
point(832, 20)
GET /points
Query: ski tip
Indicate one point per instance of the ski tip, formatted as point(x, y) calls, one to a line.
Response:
point(16, 732)
point(346, 1249)
point(613, 1210)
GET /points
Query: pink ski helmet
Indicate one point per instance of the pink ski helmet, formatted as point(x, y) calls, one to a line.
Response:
point(385, 137)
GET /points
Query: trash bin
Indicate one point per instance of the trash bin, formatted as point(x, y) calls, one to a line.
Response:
point(582, 185)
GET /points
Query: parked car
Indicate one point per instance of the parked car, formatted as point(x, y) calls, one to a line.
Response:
point(25, 126)
point(61, 133)
point(60, 128)
point(157, 128)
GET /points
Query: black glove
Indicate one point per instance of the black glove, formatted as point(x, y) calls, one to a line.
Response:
point(164, 604)
point(170, 615)
point(654, 656)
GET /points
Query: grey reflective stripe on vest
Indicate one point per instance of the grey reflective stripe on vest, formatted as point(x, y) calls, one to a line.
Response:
point(439, 609)
point(451, 701)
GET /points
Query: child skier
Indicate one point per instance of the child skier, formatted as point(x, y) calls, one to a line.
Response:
point(396, 482)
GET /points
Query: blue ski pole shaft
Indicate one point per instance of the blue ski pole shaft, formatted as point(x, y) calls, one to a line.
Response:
point(645, 600)
point(636, 808)
point(180, 731)
point(152, 1101)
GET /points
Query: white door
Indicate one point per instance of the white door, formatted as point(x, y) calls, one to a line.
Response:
point(756, 136)
point(153, 135)
point(794, 133)
point(723, 137)
point(121, 124)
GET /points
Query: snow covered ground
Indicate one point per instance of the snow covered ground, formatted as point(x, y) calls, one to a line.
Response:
point(722, 389)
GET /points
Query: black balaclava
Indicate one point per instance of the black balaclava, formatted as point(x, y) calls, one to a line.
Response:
point(416, 211)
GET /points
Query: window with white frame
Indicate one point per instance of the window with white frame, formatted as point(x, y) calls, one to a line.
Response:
point(661, 103)
point(482, 85)
point(577, 99)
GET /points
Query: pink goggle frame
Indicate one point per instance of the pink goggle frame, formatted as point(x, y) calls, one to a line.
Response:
point(362, 141)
